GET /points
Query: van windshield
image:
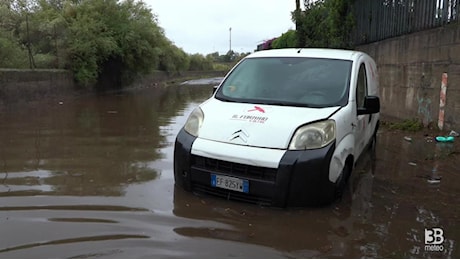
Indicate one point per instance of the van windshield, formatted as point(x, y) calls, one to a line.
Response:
point(298, 81)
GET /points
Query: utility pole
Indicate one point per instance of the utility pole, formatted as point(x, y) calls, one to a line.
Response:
point(230, 30)
point(301, 41)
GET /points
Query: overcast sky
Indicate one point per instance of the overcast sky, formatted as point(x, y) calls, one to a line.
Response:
point(202, 26)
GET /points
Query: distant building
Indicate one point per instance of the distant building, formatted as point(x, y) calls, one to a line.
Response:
point(266, 45)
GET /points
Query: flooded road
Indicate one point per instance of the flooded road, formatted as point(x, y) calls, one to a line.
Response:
point(92, 178)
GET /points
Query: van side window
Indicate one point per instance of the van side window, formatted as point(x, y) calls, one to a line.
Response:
point(361, 88)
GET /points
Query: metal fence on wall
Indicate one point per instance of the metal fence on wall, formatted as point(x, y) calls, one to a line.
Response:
point(381, 19)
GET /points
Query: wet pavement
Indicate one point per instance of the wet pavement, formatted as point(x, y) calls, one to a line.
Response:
point(92, 178)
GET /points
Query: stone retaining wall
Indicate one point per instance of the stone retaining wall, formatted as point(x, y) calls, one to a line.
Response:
point(411, 69)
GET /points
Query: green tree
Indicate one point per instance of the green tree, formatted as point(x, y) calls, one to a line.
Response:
point(110, 38)
point(105, 43)
point(173, 59)
point(14, 19)
point(286, 40)
point(199, 62)
point(229, 56)
point(50, 27)
point(11, 54)
point(340, 23)
point(325, 23)
point(214, 57)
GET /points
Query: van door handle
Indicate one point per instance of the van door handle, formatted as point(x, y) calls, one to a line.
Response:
point(353, 125)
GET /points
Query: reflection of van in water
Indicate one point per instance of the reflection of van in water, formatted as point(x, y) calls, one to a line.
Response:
point(284, 128)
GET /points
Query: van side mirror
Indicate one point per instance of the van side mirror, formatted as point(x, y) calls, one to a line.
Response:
point(371, 106)
point(214, 89)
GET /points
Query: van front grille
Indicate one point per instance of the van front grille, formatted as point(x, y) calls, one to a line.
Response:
point(234, 169)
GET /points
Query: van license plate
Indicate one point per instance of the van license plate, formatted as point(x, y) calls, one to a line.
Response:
point(229, 183)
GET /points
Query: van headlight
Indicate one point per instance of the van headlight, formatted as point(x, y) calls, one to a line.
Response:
point(194, 122)
point(313, 136)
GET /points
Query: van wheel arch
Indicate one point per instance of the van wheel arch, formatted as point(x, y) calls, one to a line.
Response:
point(344, 176)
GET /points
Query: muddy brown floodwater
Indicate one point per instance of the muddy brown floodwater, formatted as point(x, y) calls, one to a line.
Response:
point(92, 178)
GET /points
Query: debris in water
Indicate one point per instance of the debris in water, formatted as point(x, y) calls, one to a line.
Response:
point(434, 181)
point(434, 178)
point(407, 138)
point(453, 133)
point(444, 139)
point(413, 164)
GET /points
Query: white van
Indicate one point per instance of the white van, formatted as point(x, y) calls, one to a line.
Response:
point(284, 128)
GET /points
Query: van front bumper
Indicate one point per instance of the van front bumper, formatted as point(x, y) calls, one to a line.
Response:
point(301, 178)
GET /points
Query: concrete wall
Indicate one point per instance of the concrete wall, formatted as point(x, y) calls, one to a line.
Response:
point(29, 85)
point(411, 69)
point(17, 86)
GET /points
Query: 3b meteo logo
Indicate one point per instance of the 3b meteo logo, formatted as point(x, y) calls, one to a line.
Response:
point(434, 238)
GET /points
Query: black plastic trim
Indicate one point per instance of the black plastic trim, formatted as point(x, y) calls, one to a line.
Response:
point(302, 178)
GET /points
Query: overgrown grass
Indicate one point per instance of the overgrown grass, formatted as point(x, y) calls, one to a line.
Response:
point(412, 125)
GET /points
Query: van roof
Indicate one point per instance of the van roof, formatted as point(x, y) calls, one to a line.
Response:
point(308, 53)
